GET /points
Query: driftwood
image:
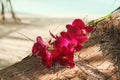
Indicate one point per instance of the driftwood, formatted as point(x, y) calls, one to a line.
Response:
point(106, 35)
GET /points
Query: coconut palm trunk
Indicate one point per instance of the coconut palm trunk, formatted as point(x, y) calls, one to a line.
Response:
point(11, 10)
point(3, 10)
point(106, 34)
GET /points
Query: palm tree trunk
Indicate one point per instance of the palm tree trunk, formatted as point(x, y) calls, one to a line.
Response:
point(3, 11)
point(12, 11)
point(106, 33)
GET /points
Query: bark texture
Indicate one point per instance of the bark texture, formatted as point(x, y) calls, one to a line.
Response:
point(106, 34)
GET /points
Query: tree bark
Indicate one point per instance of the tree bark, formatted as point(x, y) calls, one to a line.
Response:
point(31, 68)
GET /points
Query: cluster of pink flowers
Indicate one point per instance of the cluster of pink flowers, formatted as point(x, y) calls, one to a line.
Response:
point(64, 46)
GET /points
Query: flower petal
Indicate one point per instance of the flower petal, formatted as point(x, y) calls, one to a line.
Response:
point(48, 58)
point(78, 47)
point(88, 29)
point(82, 39)
point(34, 48)
point(68, 26)
point(78, 22)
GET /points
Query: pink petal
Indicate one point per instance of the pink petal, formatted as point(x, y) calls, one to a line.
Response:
point(78, 22)
point(39, 39)
point(71, 64)
point(41, 42)
point(78, 47)
point(88, 29)
point(34, 48)
point(68, 26)
point(82, 39)
point(48, 59)
point(65, 35)
point(60, 42)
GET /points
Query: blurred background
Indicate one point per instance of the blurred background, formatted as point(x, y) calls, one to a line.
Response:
point(21, 21)
point(65, 8)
